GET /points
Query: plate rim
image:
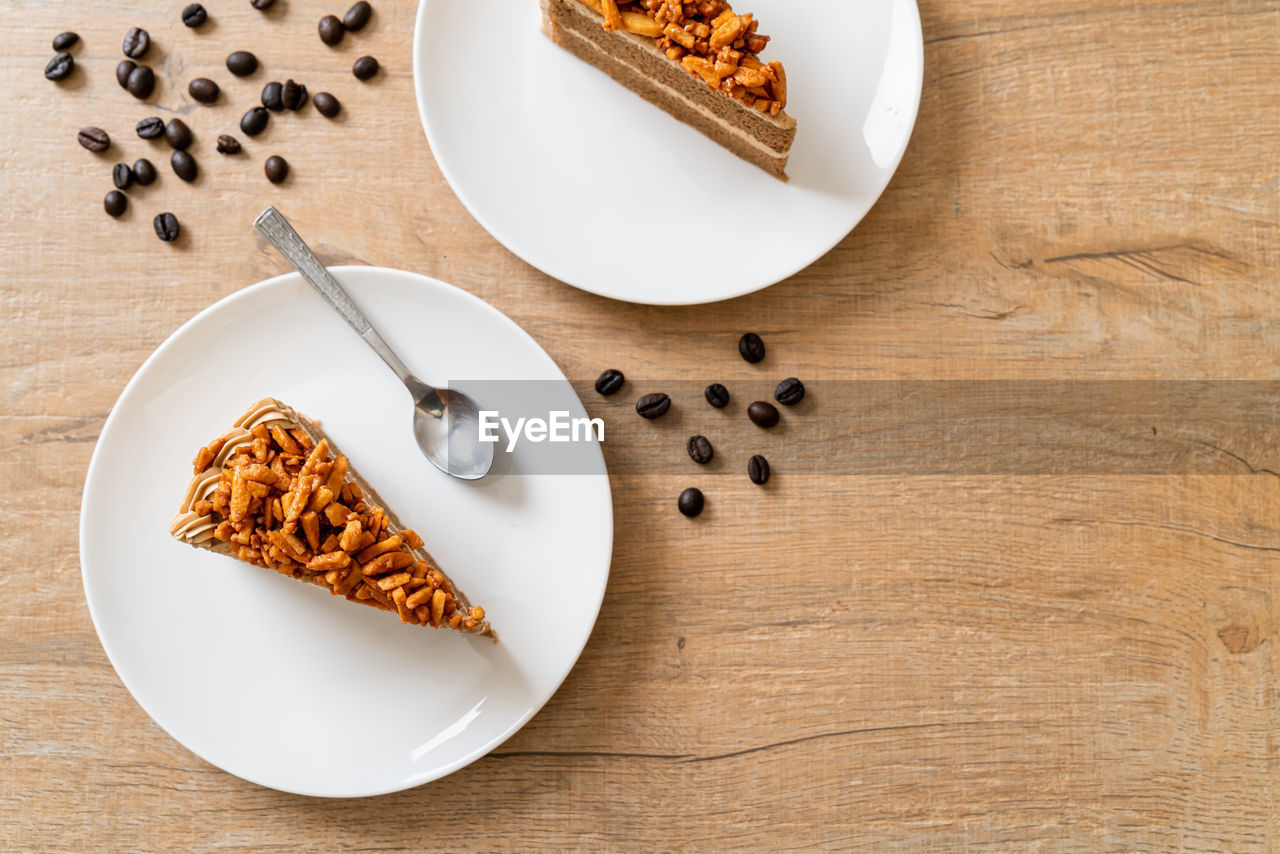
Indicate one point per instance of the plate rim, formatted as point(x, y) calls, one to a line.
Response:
point(90, 477)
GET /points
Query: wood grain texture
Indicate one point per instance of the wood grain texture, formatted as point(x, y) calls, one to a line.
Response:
point(845, 662)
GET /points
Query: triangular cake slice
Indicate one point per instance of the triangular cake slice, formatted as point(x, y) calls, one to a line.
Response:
point(699, 61)
point(274, 491)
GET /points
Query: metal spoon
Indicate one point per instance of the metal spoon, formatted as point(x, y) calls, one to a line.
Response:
point(445, 423)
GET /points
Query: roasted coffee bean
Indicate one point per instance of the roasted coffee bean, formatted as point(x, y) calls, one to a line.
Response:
point(717, 395)
point(261, 5)
point(184, 166)
point(122, 176)
point(60, 67)
point(254, 122)
point(136, 42)
point(123, 69)
point(241, 63)
point(115, 202)
point(277, 169)
point(357, 16)
point(789, 392)
point(608, 382)
point(271, 96)
point(65, 41)
point(763, 414)
point(700, 450)
point(751, 347)
point(653, 405)
point(326, 104)
point(167, 228)
point(758, 470)
point(365, 67)
point(150, 128)
point(203, 90)
point(331, 29)
point(177, 134)
point(144, 172)
point(691, 502)
point(228, 144)
point(194, 15)
point(293, 95)
point(141, 82)
point(94, 139)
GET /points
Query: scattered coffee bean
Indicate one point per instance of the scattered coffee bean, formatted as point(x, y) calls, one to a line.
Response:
point(65, 41)
point(150, 128)
point(254, 122)
point(293, 95)
point(271, 96)
point(608, 382)
point(144, 172)
point(167, 228)
point(717, 395)
point(277, 169)
point(261, 5)
point(123, 69)
point(194, 15)
point(789, 392)
point(141, 82)
point(357, 16)
point(94, 139)
point(653, 405)
point(331, 29)
point(365, 67)
point(122, 176)
point(184, 165)
point(115, 202)
point(763, 414)
point(60, 67)
point(751, 347)
point(691, 502)
point(700, 450)
point(326, 104)
point(241, 63)
point(177, 134)
point(758, 470)
point(136, 42)
point(203, 90)
point(228, 144)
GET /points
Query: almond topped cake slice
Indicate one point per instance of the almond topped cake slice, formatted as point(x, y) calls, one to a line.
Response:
point(699, 61)
point(274, 491)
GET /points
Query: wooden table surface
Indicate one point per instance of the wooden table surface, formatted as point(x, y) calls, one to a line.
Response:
point(1016, 662)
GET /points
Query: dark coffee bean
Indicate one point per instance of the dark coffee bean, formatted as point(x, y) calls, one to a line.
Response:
point(115, 202)
point(203, 90)
point(261, 5)
point(751, 347)
point(123, 69)
point(136, 42)
point(177, 134)
point(608, 382)
point(717, 395)
point(293, 95)
point(228, 144)
point(60, 67)
point(167, 228)
point(763, 414)
point(357, 16)
point(194, 15)
point(94, 139)
point(241, 63)
point(277, 169)
point(653, 405)
point(150, 128)
point(184, 166)
point(141, 82)
point(254, 122)
point(758, 470)
point(121, 176)
point(271, 96)
point(365, 67)
point(144, 172)
point(65, 41)
point(789, 392)
point(326, 104)
point(331, 29)
point(691, 502)
point(700, 450)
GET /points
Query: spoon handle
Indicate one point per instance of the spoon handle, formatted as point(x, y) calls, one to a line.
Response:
point(281, 235)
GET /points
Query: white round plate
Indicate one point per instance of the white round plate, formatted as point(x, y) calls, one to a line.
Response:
point(595, 186)
point(273, 680)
